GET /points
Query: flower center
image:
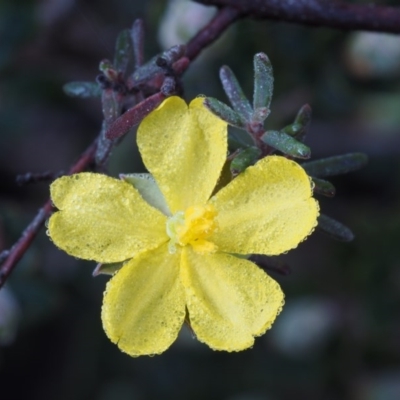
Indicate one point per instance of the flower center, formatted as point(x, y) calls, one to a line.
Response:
point(192, 227)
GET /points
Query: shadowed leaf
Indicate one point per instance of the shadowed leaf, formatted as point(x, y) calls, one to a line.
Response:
point(335, 229)
point(335, 165)
point(137, 37)
point(303, 117)
point(123, 51)
point(244, 159)
point(323, 187)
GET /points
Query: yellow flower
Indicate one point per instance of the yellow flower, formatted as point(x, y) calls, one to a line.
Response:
point(178, 253)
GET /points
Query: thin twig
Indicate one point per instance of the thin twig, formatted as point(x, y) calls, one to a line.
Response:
point(209, 34)
point(31, 177)
point(133, 116)
point(21, 246)
point(326, 13)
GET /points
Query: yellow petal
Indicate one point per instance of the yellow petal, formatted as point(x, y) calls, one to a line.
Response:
point(268, 209)
point(184, 149)
point(103, 219)
point(144, 303)
point(230, 300)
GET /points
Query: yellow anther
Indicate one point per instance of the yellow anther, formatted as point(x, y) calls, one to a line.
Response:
point(193, 227)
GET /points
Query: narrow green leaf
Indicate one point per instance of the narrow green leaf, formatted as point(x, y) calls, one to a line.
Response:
point(303, 117)
point(323, 187)
point(82, 89)
point(111, 111)
point(123, 51)
point(335, 229)
point(146, 185)
point(110, 106)
point(299, 127)
point(302, 122)
point(236, 143)
point(137, 37)
point(235, 94)
point(263, 81)
point(286, 144)
point(260, 115)
point(244, 159)
point(224, 112)
point(335, 165)
point(292, 129)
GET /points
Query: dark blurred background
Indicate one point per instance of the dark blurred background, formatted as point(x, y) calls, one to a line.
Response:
point(338, 334)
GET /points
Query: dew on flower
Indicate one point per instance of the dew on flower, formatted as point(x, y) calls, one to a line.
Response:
point(183, 264)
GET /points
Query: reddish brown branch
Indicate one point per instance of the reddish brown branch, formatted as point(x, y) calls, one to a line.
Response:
point(327, 13)
point(31, 177)
point(21, 246)
point(133, 116)
point(223, 19)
